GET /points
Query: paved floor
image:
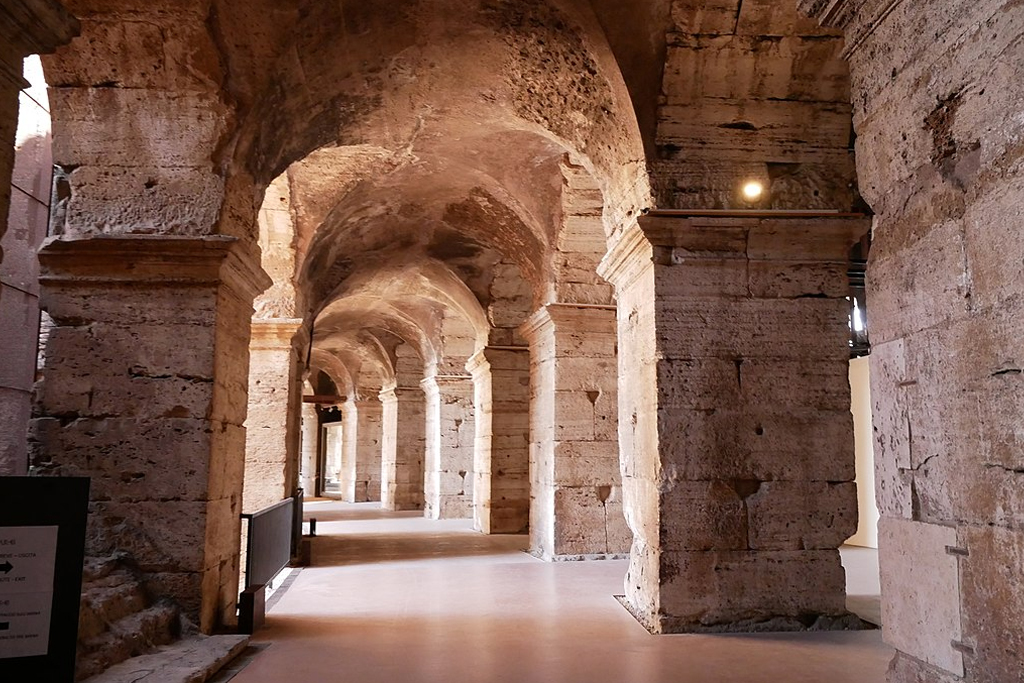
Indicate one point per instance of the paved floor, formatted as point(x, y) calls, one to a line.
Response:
point(395, 598)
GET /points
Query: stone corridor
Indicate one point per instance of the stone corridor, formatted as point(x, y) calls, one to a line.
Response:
point(591, 273)
point(396, 597)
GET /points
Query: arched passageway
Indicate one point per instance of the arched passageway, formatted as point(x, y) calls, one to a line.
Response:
point(426, 202)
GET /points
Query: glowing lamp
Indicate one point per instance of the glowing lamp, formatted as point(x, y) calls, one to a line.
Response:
point(752, 191)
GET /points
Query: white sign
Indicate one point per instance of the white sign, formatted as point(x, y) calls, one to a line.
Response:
point(27, 558)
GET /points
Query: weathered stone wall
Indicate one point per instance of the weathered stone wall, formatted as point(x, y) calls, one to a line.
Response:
point(369, 437)
point(501, 490)
point(150, 284)
point(576, 495)
point(158, 426)
point(309, 476)
point(737, 448)
point(937, 102)
point(450, 437)
point(272, 423)
point(580, 242)
point(349, 448)
point(752, 90)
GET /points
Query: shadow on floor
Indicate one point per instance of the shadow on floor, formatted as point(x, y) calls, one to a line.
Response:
point(341, 550)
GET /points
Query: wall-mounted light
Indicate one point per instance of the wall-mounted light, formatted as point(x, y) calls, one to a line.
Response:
point(752, 191)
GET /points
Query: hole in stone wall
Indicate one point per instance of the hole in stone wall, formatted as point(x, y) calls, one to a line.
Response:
point(745, 488)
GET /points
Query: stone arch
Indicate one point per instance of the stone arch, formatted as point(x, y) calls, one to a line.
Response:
point(537, 66)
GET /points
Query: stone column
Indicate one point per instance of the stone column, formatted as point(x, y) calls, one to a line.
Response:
point(501, 397)
point(26, 27)
point(939, 159)
point(144, 383)
point(369, 443)
point(576, 501)
point(272, 422)
point(309, 474)
point(734, 421)
point(451, 432)
point(349, 441)
point(401, 486)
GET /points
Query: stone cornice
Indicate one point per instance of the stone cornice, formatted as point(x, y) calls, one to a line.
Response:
point(274, 333)
point(626, 259)
point(554, 313)
point(792, 238)
point(858, 19)
point(477, 363)
point(31, 27)
point(153, 260)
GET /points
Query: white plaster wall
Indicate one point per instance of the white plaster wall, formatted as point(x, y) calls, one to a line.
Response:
point(860, 389)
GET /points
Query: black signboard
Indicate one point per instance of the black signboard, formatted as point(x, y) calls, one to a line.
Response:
point(42, 549)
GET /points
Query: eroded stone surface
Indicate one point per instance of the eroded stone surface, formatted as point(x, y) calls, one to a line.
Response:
point(738, 482)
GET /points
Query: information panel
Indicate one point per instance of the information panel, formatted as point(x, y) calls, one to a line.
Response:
point(42, 544)
point(28, 557)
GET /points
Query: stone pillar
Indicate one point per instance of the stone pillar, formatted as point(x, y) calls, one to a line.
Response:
point(349, 450)
point(939, 158)
point(401, 485)
point(309, 473)
point(501, 397)
point(144, 388)
point(576, 487)
point(734, 421)
point(451, 432)
point(369, 444)
point(26, 27)
point(272, 422)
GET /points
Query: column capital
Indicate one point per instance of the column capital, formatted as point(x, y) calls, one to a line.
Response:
point(153, 260)
point(482, 360)
point(626, 258)
point(579, 316)
point(275, 333)
point(32, 27)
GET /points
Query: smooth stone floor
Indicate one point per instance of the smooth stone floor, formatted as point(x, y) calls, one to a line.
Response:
point(396, 598)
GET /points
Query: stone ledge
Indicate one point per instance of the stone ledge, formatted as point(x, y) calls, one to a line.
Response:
point(193, 660)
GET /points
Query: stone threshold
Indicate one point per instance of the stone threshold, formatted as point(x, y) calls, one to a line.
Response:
point(196, 659)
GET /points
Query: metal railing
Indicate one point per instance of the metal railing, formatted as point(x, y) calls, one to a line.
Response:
point(271, 540)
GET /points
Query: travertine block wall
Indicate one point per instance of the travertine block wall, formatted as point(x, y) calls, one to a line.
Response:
point(736, 436)
point(369, 437)
point(158, 426)
point(309, 477)
point(576, 493)
point(404, 422)
point(349, 448)
point(501, 490)
point(752, 90)
point(937, 109)
point(272, 423)
point(450, 437)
